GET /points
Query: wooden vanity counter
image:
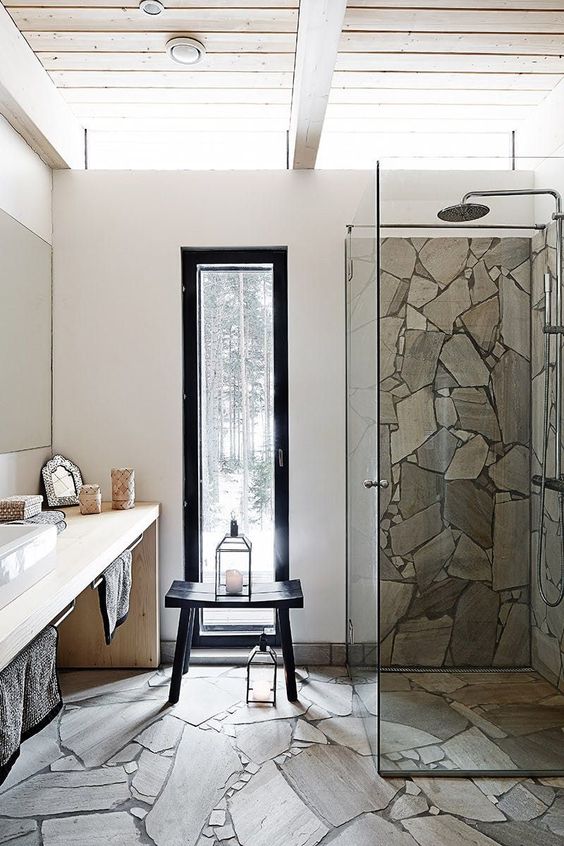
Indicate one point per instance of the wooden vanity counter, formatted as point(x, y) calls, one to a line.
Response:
point(88, 545)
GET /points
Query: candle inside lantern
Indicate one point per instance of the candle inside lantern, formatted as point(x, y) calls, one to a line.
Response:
point(261, 691)
point(233, 581)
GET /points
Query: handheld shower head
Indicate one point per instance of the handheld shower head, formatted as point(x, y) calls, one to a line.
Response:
point(463, 212)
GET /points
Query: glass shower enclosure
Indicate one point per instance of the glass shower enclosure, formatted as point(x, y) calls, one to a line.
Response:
point(445, 399)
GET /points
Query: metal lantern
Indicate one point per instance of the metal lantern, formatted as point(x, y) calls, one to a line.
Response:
point(262, 668)
point(233, 566)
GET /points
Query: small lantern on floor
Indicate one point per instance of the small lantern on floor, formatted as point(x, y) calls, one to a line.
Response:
point(233, 564)
point(262, 668)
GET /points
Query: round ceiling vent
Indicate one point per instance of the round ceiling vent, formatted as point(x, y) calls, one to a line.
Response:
point(151, 7)
point(185, 51)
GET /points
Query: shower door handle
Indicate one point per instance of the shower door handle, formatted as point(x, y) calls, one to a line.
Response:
point(374, 483)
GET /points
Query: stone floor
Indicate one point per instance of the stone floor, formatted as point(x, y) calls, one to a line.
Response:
point(120, 767)
point(471, 721)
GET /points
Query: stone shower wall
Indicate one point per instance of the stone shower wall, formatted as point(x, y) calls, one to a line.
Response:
point(547, 623)
point(455, 444)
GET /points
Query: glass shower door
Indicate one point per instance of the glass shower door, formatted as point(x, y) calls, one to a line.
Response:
point(362, 436)
point(362, 460)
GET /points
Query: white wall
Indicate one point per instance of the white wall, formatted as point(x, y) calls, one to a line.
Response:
point(118, 354)
point(25, 194)
point(25, 183)
point(540, 146)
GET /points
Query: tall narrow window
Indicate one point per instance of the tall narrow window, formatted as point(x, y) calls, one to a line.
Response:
point(235, 421)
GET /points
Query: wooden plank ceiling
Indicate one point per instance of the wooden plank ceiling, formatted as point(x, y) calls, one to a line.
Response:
point(402, 65)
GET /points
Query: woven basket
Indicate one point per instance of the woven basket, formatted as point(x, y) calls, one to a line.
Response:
point(123, 488)
point(20, 507)
point(90, 499)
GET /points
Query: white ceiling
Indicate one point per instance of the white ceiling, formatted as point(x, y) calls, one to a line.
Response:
point(402, 66)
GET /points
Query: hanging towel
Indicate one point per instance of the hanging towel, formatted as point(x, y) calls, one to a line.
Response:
point(114, 590)
point(30, 696)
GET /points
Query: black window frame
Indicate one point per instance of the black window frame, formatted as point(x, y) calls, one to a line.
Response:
point(191, 258)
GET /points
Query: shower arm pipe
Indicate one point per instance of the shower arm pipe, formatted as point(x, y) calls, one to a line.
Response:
point(519, 192)
point(538, 227)
point(557, 217)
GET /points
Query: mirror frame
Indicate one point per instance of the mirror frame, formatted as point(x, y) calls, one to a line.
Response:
point(47, 473)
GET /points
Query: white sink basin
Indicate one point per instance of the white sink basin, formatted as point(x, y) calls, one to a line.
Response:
point(27, 554)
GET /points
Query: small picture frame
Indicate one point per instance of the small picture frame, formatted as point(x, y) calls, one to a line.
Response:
point(62, 480)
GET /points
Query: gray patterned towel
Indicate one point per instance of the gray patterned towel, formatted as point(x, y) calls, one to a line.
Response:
point(114, 591)
point(30, 696)
point(50, 518)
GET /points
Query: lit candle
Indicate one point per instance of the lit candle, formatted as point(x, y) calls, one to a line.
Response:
point(233, 581)
point(262, 691)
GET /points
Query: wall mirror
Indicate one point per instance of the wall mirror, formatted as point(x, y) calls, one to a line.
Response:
point(62, 480)
point(25, 337)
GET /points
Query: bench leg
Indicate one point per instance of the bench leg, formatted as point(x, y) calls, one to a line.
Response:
point(185, 625)
point(288, 654)
point(188, 649)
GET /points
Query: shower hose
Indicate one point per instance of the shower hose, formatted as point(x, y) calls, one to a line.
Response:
point(541, 542)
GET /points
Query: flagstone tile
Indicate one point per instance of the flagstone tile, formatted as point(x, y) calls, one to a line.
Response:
point(395, 737)
point(150, 776)
point(436, 682)
point(97, 733)
point(478, 720)
point(514, 833)
point(204, 763)
point(416, 423)
point(161, 735)
point(323, 774)
point(444, 258)
point(51, 794)
point(445, 830)
point(409, 806)
point(368, 694)
point(520, 804)
point(425, 711)
point(16, 829)
point(517, 720)
point(269, 813)
point(370, 830)
point(540, 751)
point(34, 757)
point(511, 691)
point(397, 257)
point(475, 626)
point(201, 699)
point(347, 731)
point(461, 797)
point(116, 829)
point(472, 750)
point(69, 762)
point(263, 741)
point(307, 733)
point(335, 698)
point(422, 641)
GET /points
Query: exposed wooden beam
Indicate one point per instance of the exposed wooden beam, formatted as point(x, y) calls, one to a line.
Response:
point(32, 104)
point(320, 25)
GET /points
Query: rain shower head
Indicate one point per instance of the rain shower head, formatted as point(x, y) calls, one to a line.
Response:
point(463, 212)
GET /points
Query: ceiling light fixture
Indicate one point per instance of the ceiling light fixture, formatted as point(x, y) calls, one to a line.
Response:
point(185, 51)
point(151, 7)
